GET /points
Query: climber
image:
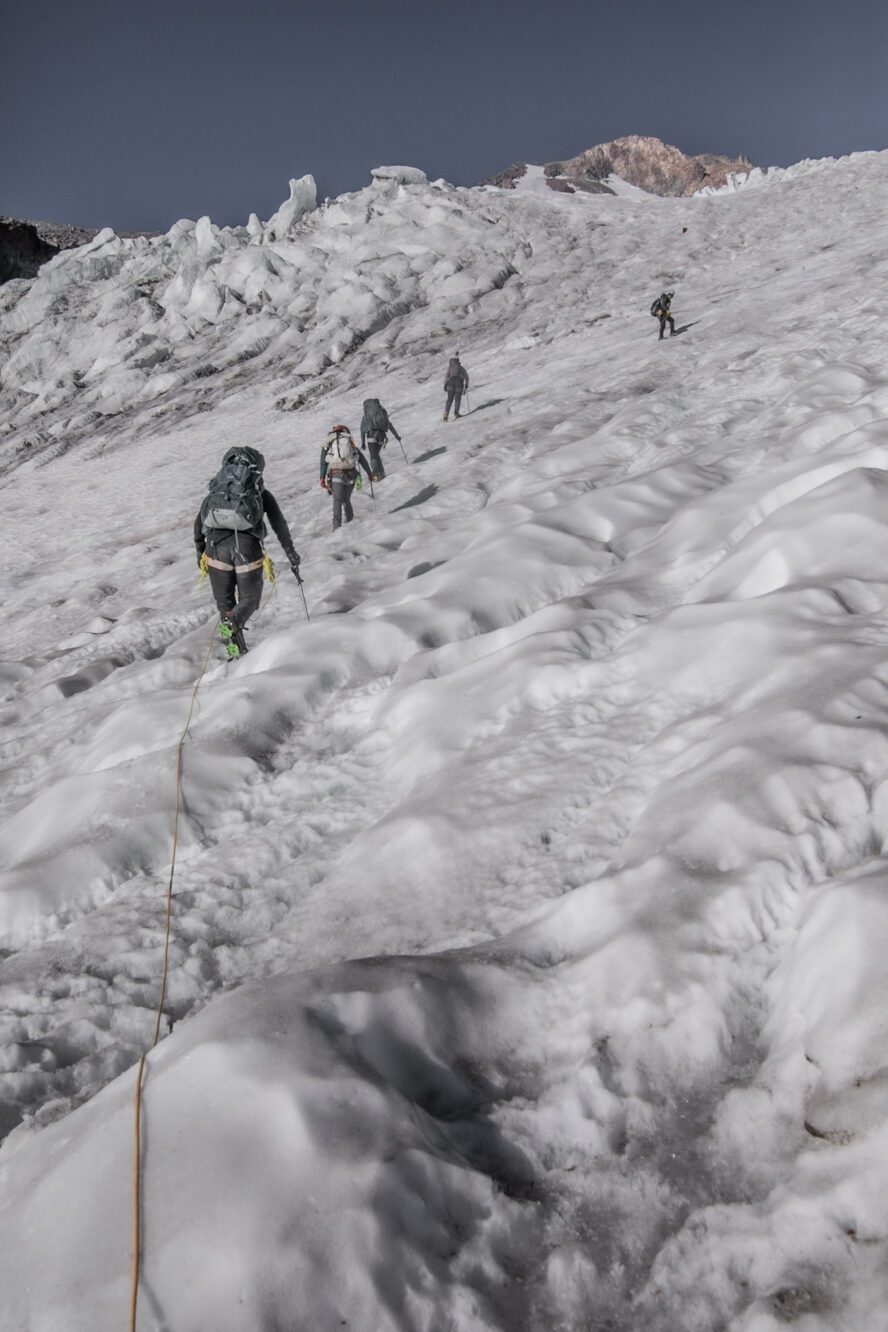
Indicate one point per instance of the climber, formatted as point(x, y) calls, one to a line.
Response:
point(340, 459)
point(661, 310)
point(375, 424)
point(229, 533)
point(455, 385)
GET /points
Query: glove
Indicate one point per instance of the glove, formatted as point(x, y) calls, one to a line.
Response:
point(325, 484)
point(294, 565)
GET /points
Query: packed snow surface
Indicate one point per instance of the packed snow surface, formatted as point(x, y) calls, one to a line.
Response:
point(530, 937)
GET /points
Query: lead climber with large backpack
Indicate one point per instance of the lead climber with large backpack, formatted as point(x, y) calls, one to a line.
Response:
point(229, 533)
point(340, 459)
point(375, 425)
point(661, 309)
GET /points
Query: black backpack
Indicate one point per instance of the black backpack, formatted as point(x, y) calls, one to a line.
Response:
point(234, 501)
point(375, 416)
point(655, 308)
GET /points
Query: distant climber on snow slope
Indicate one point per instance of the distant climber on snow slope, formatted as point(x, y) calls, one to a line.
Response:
point(340, 459)
point(661, 309)
point(375, 425)
point(229, 533)
point(455, 385)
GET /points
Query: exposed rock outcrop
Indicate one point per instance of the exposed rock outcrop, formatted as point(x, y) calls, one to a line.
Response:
point(645, 162)
point(25, 245)
point(22, 250)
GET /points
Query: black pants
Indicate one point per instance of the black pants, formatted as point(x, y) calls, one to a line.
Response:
point(664, 320)
point(237, 588)
point(374, 444)
point(454, 394)
point(343, 484)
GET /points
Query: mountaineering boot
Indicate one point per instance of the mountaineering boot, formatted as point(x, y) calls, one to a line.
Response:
point(233, 637)
point(444, 417)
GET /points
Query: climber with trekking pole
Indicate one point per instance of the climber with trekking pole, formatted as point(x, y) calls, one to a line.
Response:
point(375, 425)
point(340, 459)
point(455, 385)
point(229, 540)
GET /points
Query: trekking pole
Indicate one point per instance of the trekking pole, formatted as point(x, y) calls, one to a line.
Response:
point(404, 451)
point(468, 404)
point(304, 602)
point(372, 495)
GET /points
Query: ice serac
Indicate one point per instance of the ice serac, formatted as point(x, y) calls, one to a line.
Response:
point(403, 175)
point(303, 199)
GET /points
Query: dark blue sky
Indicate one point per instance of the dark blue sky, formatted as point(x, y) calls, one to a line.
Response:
point(134, 115)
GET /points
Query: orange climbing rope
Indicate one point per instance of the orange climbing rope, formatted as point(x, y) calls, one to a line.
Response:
point(137, 1108)
point(167, 933)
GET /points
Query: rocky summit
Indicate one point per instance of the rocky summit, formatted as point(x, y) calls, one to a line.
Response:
point(647, 163)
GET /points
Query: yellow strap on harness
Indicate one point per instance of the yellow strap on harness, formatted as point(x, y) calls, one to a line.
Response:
point(268, 566)
point(203, 566)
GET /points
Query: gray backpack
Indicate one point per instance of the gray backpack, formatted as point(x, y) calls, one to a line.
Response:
point(234, 502)
point(376, 419)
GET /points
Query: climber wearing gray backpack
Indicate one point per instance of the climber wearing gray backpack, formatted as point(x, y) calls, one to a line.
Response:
point(229, 533)
point(455, 385)
point(340, 459)
point(375, 425)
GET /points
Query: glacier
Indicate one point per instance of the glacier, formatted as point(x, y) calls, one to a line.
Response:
point(527, 961)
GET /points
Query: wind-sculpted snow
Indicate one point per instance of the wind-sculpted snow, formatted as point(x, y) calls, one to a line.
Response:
point(582, 756)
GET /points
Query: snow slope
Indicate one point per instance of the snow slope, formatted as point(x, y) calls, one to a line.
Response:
point(529, 938)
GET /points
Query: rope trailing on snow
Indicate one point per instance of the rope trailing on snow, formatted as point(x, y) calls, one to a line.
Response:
point(137, 1106)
